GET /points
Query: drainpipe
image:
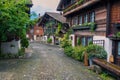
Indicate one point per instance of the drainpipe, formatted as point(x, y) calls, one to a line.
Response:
point(108, 18)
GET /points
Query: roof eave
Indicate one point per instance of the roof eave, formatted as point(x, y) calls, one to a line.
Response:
point(59, 8)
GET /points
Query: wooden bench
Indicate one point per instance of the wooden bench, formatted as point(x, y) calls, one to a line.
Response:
point(108, 66)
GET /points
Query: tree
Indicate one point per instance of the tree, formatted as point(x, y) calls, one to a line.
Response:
point(13, 20)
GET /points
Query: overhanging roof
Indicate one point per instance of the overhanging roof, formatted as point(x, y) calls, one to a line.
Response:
point(58, 17)
point(59, 7)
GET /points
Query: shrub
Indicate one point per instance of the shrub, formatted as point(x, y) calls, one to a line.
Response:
point(68, 51)
point(49, 40)
point(78, 41)
point(65, 42)
point(24, 42)
point(78, 53)
point(96, 51)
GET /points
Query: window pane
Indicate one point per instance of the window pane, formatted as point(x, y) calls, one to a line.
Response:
point(83, 41)
point(80, 20)
point(92, 16)
point(89, 40)
point(86, 18)
point(119, 48)
point(75, 20)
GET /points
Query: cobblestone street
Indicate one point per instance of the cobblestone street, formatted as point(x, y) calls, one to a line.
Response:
point(46, 63)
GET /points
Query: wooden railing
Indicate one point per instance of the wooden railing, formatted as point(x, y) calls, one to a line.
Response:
point(80, 4)
point(108, 66)
point(74, 5)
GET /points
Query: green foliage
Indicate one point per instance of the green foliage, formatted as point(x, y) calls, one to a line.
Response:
point(78, 41)
point(68, 50)
point(65, 41)
point(58, 29)
point(21, 52)
point(24, 42)
point(13, 19)
point(80, 2)
point(106, 76)
point(118, 34)
point(50, 23)
point(49, 40)
point(91, 42)
point(92, 26)
point(78, 53)
point(73, 6)
point(96, 51)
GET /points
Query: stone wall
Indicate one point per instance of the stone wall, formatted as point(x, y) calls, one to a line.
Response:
point(10, 47)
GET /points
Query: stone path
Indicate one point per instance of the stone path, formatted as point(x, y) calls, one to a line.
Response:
point(46, 63)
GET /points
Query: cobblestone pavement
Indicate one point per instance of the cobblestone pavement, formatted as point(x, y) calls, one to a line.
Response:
point(46, 63)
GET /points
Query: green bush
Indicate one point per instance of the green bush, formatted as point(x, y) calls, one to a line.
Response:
point(78, 53)
point(65, 42)
point(96, 51)
point(78, 41)
point(24, 42)
point(8, 56)
point(49, 40)
point(68, 51)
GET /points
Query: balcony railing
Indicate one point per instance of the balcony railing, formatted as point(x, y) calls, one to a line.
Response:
point(79, 4)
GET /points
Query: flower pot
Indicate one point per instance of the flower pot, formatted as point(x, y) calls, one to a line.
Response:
point(90, 61)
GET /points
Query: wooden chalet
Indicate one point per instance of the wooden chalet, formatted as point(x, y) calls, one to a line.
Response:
point(49, 22)
point(94, 20)
point(38, 33)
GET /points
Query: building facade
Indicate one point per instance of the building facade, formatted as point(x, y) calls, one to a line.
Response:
point(50, 22)
point(92, 21)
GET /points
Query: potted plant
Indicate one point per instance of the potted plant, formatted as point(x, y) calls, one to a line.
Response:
point(95, 51)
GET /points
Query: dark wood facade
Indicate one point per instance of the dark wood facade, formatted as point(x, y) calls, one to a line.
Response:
point(104, 13)
point(50, 22)
point(88, 11)
point(114, 29)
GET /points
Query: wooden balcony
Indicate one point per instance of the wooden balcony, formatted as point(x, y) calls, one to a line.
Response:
point(78, 5)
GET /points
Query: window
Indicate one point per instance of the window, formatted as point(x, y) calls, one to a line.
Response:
point(83, 41)
point(119, 48)
point(92, 17)
point(89, 40)
point(80, 19)
point(72, 1)
point(86, 18)
point(75, 20)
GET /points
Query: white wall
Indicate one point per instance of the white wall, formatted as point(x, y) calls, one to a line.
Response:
point(52, 39)
point(107, 45)
point(7, 48)
point(73, 39)
point(35, 37)
point(44, 39)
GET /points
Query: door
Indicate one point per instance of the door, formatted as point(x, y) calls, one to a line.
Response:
point(118, 54)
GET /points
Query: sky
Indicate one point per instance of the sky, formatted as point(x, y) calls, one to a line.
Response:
point(42, 6)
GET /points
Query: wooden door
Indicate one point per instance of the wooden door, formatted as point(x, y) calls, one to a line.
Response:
point(116, 52)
